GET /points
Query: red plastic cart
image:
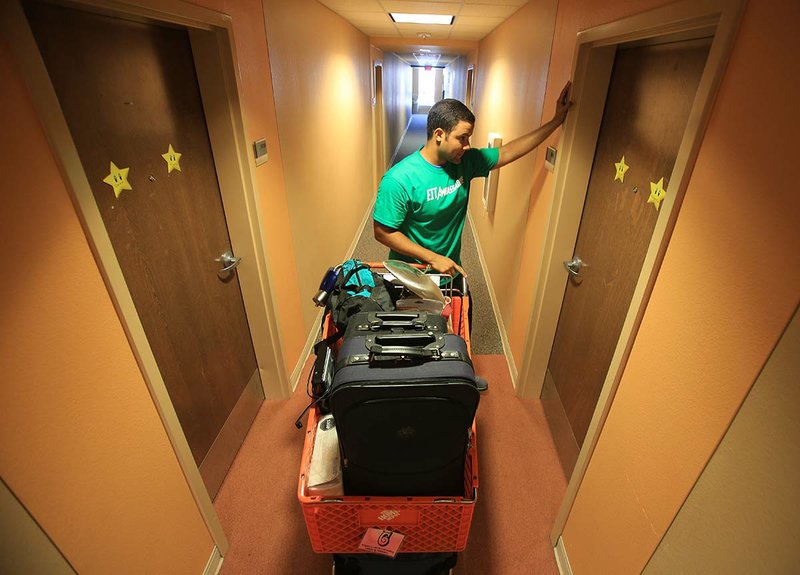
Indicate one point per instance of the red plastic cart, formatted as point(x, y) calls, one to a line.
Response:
point(337, 524)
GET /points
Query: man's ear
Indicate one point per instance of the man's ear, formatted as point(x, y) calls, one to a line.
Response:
point(439, 135)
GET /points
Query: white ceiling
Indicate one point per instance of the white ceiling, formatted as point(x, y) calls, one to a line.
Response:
point(474, 19)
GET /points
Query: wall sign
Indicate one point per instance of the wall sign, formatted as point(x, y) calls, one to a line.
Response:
point(622, 167)
point(173, 160)
point(118, 179)
point(657, 193)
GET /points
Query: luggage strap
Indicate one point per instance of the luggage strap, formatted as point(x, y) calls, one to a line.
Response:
point(399, 354)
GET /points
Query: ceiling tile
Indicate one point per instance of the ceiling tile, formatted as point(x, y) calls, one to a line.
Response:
point(367, 18)
point(434, 34)
point(353, 5)
point(501, 2)
point(491, 10)
point(477, 21)
point(474, 18)
point(404, 6)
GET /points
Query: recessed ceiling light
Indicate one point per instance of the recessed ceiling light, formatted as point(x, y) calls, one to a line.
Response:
point(422, 18)
point(424, 50)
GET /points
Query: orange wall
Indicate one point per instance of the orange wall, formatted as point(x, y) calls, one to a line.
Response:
point(728, 286)
point(260, 119)
point(511, 77)
point(397, 101)
point(748, 490)
point(457, 69)
point(82, 445)
point(321, 78)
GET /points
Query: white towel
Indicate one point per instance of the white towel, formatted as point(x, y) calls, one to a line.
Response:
point(325, 469)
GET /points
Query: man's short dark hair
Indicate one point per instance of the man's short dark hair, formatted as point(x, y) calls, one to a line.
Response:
point(446, 114)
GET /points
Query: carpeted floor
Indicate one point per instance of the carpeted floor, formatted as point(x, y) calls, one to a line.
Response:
point(415, 137)
point(521, 487)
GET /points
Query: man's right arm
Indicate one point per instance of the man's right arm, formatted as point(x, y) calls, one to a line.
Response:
point(399, 242)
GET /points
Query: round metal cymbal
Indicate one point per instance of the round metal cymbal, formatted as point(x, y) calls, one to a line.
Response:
point(414, 279)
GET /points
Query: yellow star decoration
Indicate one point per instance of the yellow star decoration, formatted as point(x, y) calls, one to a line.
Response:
point(118, 179)
point(173, 160)
point(657, 193)
point(622, 167)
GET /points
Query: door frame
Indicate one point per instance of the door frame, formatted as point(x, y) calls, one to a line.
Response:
point(378, 114)
point(469, 87)
point(211, 37)
point(591, 74)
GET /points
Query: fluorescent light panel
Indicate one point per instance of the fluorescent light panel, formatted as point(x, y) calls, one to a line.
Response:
point(422, 18)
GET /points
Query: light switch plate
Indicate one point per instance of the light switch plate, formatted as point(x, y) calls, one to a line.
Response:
point(260, 151)
point(550, 158)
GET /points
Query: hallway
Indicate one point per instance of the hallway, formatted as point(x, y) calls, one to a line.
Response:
point(521, 482)
point(693, 458)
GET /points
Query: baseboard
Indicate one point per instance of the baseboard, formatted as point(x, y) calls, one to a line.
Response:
point(512, 366)
point(561, 558)
point(310, 341)
point(312, 336)
point(214, 562)
point(400, 142)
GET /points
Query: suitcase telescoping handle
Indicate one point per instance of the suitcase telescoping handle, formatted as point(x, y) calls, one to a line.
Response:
point(401, 319)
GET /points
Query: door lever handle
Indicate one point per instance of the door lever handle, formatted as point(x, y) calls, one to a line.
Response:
point(229, 262)
point(574, 267)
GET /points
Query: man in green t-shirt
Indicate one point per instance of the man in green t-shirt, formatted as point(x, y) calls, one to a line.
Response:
point(422, 200)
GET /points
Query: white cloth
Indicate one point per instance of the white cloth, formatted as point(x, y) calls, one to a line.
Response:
point(325, 469)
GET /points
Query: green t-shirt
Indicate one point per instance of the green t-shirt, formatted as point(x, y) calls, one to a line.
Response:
point(428, 203)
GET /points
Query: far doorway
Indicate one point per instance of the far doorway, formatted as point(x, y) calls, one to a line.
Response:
point(378, 122)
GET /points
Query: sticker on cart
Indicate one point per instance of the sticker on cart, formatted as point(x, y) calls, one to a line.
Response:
point(381, 541)
point(388, 516)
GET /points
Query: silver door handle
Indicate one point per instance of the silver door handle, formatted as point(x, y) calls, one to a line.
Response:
point(229, 261)
point(574, 267)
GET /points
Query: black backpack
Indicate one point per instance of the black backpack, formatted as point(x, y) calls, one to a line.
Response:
point(357, 289)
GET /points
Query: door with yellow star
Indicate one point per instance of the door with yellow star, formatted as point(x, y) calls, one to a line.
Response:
point(129, 93)
point(649, 98)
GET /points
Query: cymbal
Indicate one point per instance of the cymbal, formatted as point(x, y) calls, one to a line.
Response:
point(415, 280)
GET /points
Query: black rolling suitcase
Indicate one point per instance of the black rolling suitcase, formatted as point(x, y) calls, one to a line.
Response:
point(403, 402)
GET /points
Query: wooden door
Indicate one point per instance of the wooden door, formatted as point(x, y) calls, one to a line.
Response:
point(130, 96)
point(650, 96)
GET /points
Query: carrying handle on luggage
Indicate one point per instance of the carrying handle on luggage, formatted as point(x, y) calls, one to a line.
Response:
point(399, 319)
point(412, 345)
point(393, 349)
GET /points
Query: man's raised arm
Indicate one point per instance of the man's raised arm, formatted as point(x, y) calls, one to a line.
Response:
point(515, 149)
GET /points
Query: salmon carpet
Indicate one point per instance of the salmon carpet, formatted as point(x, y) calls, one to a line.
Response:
point(521, 488)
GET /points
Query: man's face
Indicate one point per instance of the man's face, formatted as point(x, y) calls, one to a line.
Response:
point(453, 145)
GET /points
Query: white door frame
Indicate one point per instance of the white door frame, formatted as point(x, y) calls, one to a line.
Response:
point(591, 74)
point(211, 35)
